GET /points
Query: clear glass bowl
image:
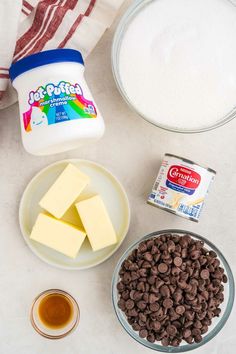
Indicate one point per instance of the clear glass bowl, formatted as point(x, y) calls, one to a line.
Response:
point(134, 8)
point(217, 323)
point(54, 333)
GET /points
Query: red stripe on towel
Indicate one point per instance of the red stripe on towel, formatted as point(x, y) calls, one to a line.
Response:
point(54, 25)
point(76, 24)
point(36, 25)
point(48, 32)
point(90, 8)
point(24, 12)
point(71, 31)
point(4, 76)
point(27, 5)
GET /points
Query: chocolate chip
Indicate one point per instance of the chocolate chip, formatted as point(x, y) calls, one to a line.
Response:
point(126, 278)
point(171, 330)
point(165, 341)
point(204, 274)
point(142, 272)
point(188, 324)
point(129, 304)
point(156, 325)
point(150, 243)
point(156, 257)
point(178, 261)
point(159, 283)
point(182, 284)
point(136, 326)
point(121, 304)
point(141, 286)
point(154, 250)
point(189, 340)
point(151, 338)
point(172, 288)
point(143, 333)
point(137, 296)
point(141, 323)
point(141, 305)
point(125, 294)
point(177, 297)
point(154, 289)
point(187, 333)
point(198, 339)
point(142, 317)
point(177, 324)
point(152, 298)
point(147, 256)
point(131, 320)
point(154, 307)
point(189, 315)
point(165, 291)
point(146, 265)
point(195, 254)
point(162, 267)
point(180, 309)
point(217, 312)
point(167, 303)
point(151, 280)
point(142, 247)
point(196, 332)
point(175, 342)
point(120, 286)
point(197, 324)
point(145, 297)
point(170, 246)
point(154, 270)
point(212, 254)
point(224, 278)
point(204, 329)
point(132, 313)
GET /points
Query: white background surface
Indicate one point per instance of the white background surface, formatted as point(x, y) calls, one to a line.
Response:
point(132, 149)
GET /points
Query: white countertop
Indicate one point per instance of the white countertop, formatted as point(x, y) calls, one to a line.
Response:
point(132, 149)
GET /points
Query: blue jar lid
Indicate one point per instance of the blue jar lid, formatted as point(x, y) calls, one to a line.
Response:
point(44, 58)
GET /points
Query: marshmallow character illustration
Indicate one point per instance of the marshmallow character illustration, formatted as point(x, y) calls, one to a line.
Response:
point(38, 118)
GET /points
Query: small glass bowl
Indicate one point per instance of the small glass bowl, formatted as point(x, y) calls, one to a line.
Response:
point(126, 19)
point(217, 323)
point(54, 333)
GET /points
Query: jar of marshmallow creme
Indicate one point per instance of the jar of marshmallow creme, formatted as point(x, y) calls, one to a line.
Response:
point(57, 110)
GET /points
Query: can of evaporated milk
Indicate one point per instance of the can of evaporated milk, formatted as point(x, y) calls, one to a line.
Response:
point(181, 187)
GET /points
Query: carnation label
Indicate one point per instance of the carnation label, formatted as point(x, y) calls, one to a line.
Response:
point(181, 187)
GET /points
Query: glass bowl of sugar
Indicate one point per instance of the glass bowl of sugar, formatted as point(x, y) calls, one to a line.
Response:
point(174, 62)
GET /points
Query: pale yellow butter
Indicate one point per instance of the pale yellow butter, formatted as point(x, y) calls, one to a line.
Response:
point(57, 234)
point(97, 223)
point(64, 191)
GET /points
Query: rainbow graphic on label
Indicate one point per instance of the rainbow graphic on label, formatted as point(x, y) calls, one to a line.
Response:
point(54, 104)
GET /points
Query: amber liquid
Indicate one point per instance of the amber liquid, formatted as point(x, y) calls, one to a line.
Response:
point(55, 311)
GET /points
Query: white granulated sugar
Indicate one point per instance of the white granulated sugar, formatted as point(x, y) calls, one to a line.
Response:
point(177, 62)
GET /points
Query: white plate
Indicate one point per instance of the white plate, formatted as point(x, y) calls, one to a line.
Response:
point(103, 183)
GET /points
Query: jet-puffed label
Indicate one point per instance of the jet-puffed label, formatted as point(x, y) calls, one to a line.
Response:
point(51, 104)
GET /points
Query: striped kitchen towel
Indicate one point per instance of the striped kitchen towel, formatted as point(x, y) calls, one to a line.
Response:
point(31, 26)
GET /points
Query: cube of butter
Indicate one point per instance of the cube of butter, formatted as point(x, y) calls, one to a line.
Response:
point(64, 191)
point(57, 234)
point(96, 222)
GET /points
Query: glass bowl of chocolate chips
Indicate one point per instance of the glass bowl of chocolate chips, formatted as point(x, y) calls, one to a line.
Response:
point(173, 291)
